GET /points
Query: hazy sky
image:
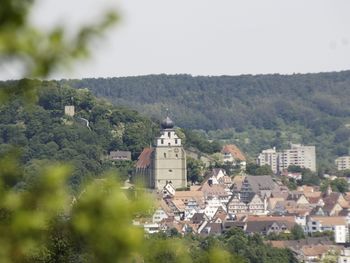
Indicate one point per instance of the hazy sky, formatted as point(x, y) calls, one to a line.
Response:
point(207, 37)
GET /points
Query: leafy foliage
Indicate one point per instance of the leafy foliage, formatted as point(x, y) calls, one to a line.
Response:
point(254, 169)
point(45, 134)
point(337, 185)
point(255, 112)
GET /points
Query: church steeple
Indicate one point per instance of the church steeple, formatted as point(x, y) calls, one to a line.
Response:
point(168, 158)
point(168, 136)
point(167, 123)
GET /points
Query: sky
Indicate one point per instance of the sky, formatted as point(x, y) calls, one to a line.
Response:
point(207, 37)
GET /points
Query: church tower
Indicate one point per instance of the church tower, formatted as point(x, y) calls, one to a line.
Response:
point(169, 158)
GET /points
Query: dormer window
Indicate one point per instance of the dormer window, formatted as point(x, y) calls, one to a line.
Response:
point(162, 141)
point(175, 141)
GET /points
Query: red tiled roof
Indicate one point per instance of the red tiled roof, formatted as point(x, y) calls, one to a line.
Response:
point(144, 159)
point(234, 150)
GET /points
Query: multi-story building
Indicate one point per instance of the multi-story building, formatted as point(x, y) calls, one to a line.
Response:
point(343, 163)
point(232, 154)
point(165, 162)
point(269, 157)
point(262, 185)
point(300, 155)
point(337, 224)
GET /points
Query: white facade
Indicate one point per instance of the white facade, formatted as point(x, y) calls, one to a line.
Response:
point(300, 155)
point(69, 110)
point(320, 224)
point(159, 215)
point(212, 206)
point(151, 228)
point(343, 163)
point(268, 157)
point(340, 234)
point(344, 256)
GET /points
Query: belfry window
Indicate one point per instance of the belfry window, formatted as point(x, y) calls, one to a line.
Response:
point(169, 134)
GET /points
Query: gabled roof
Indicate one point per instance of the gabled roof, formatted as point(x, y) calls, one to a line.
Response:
point(317, 250)
point(163, 205)
point(213, 190)
point(263, 226)
point(220, 213)
point(144, 160)
point(216, 171)
point(212, 229)
point(260, 182)
point(197, 218)
point(237, 182)
point(234, 151)
point(330, 220)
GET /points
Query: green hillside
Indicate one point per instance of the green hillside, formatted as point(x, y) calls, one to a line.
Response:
point(43, 133)
point(255, 112)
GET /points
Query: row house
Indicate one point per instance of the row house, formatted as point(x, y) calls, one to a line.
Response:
point(255, 205)
point(266, 225)
point(262, 185)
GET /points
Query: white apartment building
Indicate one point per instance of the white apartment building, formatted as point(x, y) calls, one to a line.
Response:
point(269, 157)
point(300, 155)
point(343, 163)
point(337, 224)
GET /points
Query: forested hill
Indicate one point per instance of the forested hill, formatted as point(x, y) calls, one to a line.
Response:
point(45, 134)
point(256, 111)
point(231, 101)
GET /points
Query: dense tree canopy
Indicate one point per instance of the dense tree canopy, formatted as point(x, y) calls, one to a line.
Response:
point(255, 112)
point(45, 133)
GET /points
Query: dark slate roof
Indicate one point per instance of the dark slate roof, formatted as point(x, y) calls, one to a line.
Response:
point(197, 218)
point(263, 226)
point(260, 182)
point(167, 123)
point(229, 224)
point(212, 229)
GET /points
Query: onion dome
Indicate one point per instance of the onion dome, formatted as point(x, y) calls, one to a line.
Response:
point(167, 123)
